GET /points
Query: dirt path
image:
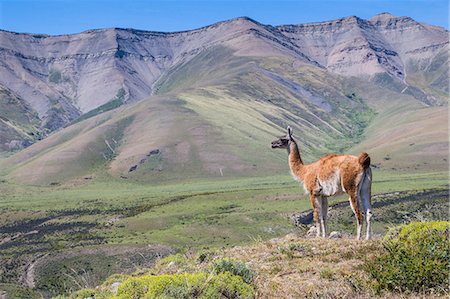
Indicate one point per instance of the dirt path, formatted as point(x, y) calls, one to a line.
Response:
point(28, 277)
point(149, 254)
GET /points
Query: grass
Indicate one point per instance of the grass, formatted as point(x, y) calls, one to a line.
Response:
point(111, 195)
point(18, 121)
point(215, 213)
point(404, 130)
point(200, 213)
point(114, 103)
point(177, 215)
point(83, 267)
point(385, 181)
point(396, 208)
point(15, 291)
point(62, 162)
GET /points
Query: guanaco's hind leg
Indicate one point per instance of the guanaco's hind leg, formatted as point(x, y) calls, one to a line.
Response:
point(323, 214)
point(365, 196)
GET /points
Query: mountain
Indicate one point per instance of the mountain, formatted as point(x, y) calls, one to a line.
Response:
point(155, 106)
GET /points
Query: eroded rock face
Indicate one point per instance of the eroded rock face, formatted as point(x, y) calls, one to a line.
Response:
point(83, 71)
point(383, 44)
point(61, 77)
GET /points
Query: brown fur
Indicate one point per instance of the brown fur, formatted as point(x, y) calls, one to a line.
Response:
point(328, 176)
point(364, 160)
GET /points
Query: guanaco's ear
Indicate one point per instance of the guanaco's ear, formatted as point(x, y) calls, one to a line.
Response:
point(289, 129)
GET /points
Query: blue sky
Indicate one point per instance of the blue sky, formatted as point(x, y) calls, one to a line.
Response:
point(64, 16)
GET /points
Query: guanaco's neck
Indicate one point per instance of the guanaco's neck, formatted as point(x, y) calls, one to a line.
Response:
point(295, 161)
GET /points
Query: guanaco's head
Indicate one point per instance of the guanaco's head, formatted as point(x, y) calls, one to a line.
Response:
point(284, 141)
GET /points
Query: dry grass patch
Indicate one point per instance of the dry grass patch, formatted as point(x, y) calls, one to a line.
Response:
point(294, 267)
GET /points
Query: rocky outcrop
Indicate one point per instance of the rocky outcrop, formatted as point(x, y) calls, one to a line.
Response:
point(352, 46)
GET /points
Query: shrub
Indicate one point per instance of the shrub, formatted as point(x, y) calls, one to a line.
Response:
point(415, 258)
point(9, 290)
point(115, 278)
point(327, 273)
point(234, 267)
point(186, 285)
point(88, 293)
point(175, 263)
point(205, 255)
point(84, 293)
point(134, 287)
point(54, 76)
point(227, 285)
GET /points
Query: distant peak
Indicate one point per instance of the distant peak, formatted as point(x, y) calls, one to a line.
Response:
point(385, 14)
point(350, 18)
point(244, 18)
point(382, 16)
point(387, 18)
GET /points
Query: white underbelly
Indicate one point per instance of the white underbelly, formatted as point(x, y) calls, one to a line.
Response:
point(332, 185)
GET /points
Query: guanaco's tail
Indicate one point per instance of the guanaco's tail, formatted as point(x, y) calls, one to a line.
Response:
point(365, 190)
point(364, 160)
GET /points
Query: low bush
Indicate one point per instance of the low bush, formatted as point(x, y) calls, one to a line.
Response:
point(176, 263)
point(88, 293)
point(84, 293)
point(415, 258)
point(186, 285)
point(235, 267)
point(115, 278)
point(205, 255)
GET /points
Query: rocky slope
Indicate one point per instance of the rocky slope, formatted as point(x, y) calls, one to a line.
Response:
point(383, 44)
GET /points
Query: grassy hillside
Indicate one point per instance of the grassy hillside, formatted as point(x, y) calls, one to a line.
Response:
point(431, 76)
point(212, 114)
point(209, 124)
point(405, 135)
point(19, 123)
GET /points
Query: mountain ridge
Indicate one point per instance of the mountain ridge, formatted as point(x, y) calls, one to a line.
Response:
point(309, 75)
